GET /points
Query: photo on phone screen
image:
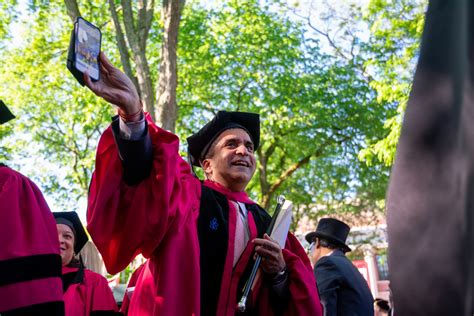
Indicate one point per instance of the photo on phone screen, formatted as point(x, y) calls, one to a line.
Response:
point(87, 48)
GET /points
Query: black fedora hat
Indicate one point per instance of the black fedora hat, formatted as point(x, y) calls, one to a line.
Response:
point(72, 220)
point(332, 230)
point(5, 114)
point(199, 143)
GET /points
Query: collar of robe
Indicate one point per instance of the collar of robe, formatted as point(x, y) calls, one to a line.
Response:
point(234, 196)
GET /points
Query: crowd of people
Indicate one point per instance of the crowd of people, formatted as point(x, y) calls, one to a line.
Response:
point(200, 237)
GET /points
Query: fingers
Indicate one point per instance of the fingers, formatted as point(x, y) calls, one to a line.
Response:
point(88, 81)
point(105, 61)
point(270, 251)
point(268, 243)
point(265, 236)
point(267, 249)
point(266, 253)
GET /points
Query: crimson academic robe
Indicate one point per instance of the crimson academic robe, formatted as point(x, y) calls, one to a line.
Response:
point(171, 217)
point(30, 264)
point(88, 294)
point(130, 287)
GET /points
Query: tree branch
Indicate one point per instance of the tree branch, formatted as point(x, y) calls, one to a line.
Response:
point(287, 173)
point(291, 169)
point(72, 9)
point(239, 94)
point(139, 56)
point(145, 16)
point(122, 45)
point(129, 24)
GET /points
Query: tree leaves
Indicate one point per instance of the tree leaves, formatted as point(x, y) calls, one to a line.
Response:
point(330, 98)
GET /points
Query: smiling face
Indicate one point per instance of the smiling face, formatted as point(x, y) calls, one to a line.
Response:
point(231, 160)
point(66, 243)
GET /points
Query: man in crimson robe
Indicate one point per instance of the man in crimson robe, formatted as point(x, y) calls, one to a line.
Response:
point(199, 236)
point(30, 264)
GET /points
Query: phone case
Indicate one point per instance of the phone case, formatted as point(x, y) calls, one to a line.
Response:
point(71, 56)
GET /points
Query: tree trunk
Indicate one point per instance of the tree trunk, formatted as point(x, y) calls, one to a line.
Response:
point(122, 45)
point(72, 9)
point(166, 106)
point(137, 34)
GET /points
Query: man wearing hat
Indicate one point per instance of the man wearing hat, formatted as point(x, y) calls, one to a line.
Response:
point(30, 265)
point(342, 289)
point(199, 236)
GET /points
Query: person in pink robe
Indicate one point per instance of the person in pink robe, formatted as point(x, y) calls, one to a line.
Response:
point(200, 236)
point(30, 265)
point(85, 292)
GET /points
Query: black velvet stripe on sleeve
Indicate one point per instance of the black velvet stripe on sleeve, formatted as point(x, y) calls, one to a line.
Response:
point(50, 309)
point(29, 268)
point(136, 155)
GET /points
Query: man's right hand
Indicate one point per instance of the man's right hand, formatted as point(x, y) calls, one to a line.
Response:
point(115, 87)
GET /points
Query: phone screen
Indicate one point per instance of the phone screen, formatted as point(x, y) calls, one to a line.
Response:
point(87, 44)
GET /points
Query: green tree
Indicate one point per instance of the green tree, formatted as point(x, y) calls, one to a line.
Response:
point(379, 42)
point(318, 103)
point(391, 54)
point(55, 117)
point(317, 109)
point(61, 121)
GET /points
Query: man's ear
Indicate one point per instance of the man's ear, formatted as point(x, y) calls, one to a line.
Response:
point(206, 166)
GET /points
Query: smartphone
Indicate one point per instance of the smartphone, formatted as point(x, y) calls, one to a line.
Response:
point(87, 42)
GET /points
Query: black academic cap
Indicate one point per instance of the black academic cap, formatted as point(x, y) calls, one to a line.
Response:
point(72, 220)
point(5, 114)
point(199, 143)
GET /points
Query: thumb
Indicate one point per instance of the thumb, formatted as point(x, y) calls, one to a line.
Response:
point(105, 61)
point(91, 85)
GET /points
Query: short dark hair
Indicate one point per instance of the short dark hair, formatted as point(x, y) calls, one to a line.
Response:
point(382, 304)
point(330, 244)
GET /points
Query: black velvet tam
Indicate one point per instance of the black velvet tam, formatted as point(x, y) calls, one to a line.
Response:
point(5, 114)
point(72, 220)
point(199, 143)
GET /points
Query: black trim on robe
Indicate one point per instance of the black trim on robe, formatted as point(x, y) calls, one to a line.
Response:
point(213, 232)
point(212, 225)
point(136, 155)
point(73, 277)
point(50, 309)
point(29, 268)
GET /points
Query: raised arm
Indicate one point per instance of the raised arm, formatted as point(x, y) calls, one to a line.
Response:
point(141, 189)
point(129, 127)
point(116, 88)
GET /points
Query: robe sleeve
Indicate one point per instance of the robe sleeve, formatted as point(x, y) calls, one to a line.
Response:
point(136, 155)
point(127, 220)
point(329, 281)
point(29, 249)
point(131, 283)
point(102, 299)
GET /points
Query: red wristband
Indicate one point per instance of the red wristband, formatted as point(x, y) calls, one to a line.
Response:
point(131, 117)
